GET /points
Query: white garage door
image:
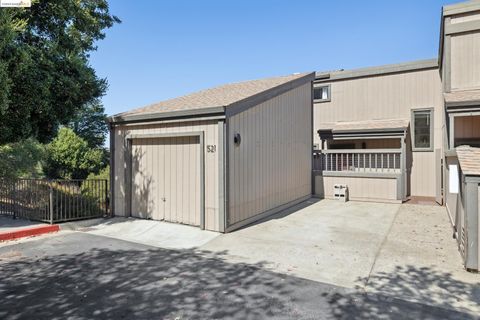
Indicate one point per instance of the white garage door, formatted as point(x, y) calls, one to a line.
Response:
point(166, 179)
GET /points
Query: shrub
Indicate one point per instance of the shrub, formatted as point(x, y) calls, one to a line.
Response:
point(70, 157)
point(22, 159)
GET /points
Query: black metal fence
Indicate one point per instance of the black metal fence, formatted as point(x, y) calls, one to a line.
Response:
point(54, 200)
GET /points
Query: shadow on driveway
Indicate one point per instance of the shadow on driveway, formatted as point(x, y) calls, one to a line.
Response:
point(430, 286)
point(82, 276)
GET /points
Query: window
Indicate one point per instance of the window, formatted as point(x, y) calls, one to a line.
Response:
point(321, 94)
point(422, 130)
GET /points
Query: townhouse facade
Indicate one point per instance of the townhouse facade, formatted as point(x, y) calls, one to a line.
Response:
point(408, 131)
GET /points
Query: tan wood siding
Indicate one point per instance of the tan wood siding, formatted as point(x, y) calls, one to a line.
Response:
point(166, 179)
point(465, 17)
point(390, 97)
point(465, 61)
point(422, 174)
point(478, 226)
point(210, 129)
point(359, 188)
point(370, 144)
point(452, 200)
point(272, 165)
point(467, 127)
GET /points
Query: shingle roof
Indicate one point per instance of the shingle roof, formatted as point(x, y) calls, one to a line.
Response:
point(469, 159)
point(221, 96)
point(462, 96)
point(369, 125)
point(412, 66)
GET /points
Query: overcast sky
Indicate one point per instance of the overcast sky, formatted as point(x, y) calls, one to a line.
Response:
point(163, 49)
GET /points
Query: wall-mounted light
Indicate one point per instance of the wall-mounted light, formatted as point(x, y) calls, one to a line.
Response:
point(237, 139)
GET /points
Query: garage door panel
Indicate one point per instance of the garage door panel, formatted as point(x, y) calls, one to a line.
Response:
point(186, 203)
point(169, 182)
point(157, 158)
point(144, 185)
point(184, 207)
point(166, 179)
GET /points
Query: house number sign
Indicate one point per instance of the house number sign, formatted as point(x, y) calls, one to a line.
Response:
point(211, 148)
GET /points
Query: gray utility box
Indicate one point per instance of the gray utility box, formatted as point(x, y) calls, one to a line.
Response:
point(340, 192)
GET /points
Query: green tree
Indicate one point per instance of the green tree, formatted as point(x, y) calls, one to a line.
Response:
point(90, 124)
point(45, 76)
point(70, 157)
point(22, 159)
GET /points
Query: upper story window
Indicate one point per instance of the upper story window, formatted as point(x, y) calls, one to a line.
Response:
point(422, 122)
point(321, 93)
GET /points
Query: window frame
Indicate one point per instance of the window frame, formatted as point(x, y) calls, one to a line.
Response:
point(432, 125)
point(329, 90)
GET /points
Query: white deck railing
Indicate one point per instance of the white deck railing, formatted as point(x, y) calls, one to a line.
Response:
point(358, 160)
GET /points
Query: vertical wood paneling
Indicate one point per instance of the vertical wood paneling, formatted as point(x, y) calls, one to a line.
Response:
point(272, 165)
point(478, 224)
point(370, 143)
point(151, 172)
point(359, 188)
point(175, 159)
point(467, 127)
point(390, 97)
point(465, 61)
point(465, 17)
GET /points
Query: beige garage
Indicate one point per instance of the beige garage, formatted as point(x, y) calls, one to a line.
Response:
point(166, 179)
point(218, 159)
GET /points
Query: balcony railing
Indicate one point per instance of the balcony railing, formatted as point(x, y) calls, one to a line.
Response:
point(358, 160)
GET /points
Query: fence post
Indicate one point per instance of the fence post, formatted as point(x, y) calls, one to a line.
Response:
point(14, 199)
point(107, 200)
point(51, 202)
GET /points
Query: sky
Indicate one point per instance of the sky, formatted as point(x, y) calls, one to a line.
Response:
point(167, 48)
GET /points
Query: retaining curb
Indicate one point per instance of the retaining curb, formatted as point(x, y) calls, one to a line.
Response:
point(28, 232)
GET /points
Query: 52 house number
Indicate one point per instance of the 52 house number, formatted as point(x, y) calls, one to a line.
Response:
point(211, 148)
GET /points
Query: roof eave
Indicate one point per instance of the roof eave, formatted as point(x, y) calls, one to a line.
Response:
point(228, 110)
point(460, 8)
point(244, 104)
point(378, 70)
point(146, 117)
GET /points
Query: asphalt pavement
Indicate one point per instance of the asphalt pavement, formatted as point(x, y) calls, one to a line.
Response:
point(75, 275)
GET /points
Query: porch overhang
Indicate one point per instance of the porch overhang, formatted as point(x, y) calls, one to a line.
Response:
point(371, 129)
point(460, 101)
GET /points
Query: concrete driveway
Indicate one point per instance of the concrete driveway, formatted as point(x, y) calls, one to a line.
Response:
point(401, 256)
point(326, 241)
point(77, 275)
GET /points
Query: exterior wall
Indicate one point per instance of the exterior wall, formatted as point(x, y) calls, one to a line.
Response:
point(272, 165)
point(464, 211)
point(453, 201)
point(465, 17)
point(390, 97)
point(210, 129)
point(359, 188)
point(467, 127)
point(478, 228)
point(166, 179)
point(465, 61)
point(370, 143)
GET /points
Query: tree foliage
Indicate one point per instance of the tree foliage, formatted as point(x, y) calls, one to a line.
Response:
point(45, 76)
point(22, 159)
point(70, 157)
point(90, 124)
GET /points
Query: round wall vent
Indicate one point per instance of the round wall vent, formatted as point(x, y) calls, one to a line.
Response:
point(237, 139)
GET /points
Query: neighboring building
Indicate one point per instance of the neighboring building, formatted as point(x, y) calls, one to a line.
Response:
point(398, 132)
point(219, 158)
point(460, 71)
point(380, 130)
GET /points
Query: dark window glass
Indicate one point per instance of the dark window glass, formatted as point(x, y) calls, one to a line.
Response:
point(321, 93)
point(422, 129)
